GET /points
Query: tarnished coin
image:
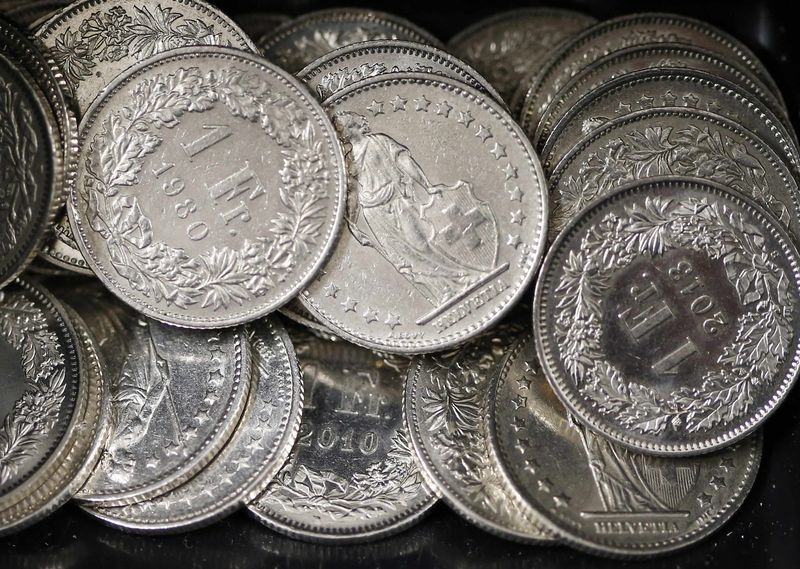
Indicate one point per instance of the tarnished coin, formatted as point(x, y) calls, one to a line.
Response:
point(93, 41)
point(210, 189)
point(623, 32)
point(666, 316)
point(649, 56)
point(446, 400)
point(302, 40)
point(29, 14)
point(352, 475)
point(50, 410)
point(508, 46)
point(668, 88)
point(602, 497)
point(672, 142)
point(255, 452)
point(331, 73)
point(175, 397)
point(446, 220)
point(258, 24)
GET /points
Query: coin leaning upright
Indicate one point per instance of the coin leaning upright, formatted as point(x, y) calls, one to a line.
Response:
point(666, 316)
point(210, 188)
point(446, 217)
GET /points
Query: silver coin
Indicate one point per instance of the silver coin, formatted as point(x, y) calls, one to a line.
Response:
point(446, 219)
point(302, 40)
point(507, 47)
point(210, 189)
point(602, 497)
point(258, 24)
point(60, 248)
point(666, 316)
point(28, 14)
point(624, 32)
point(670, 88)
point(175, 397)
point(93, 41)
point(674, 142)
point(297, 313)
point(257, 449)
point(32, 157)
point(446, 399)
point(352, 475)
point(345, 66)
point(649, 56)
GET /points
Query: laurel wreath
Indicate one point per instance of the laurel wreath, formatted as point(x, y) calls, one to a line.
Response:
point(222, 275)
point(762, 336)
point(24, 326)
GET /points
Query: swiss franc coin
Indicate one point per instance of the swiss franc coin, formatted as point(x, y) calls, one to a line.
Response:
point(331, 73)
point(667, 318)
point(446, 220)
point(446, 400)
point(672, 142)
point(255, 452)
point(175, 397)
point(257, 24)
point(352, 475)
point(649, 56)
point(50, 410)
point(93, 41)
point(623, 32)
point(210, 188)
point(60, 248)
point(507, 47)
point(603, 497)
point(296, 312)
point(302, 40)
point(32, 158)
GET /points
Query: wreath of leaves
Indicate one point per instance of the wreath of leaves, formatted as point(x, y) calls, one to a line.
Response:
point(222, 275)
point(762, 336)
point(33, 416)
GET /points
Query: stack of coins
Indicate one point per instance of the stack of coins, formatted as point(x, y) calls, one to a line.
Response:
point(298, 273)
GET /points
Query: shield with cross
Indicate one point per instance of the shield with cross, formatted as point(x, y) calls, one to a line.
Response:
point(465, 227)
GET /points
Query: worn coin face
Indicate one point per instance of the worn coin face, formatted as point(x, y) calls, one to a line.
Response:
point(619, 33)
point(331, 73)
point(600, 496)
point(175, 396)
point(446, 400)
point(672, 142)
point(255, 452)
point(352, 475)
point(258, 24)
point(302, 40)
point(507, 47)
point(93, 41)
point(667, 317)
point(210, 189)
point(446, 219)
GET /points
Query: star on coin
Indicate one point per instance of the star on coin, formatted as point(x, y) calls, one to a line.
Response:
point(465, 118)
point(422, 104)
point(398, 103)
point(726, 463)
point(510, 173)
point(669, 99)
point(717, 482)
point(562, 500)
point(704, 500)
point(498, 151)
point(172, 449)
point(519, 401)
point(518, 217)
point(691, 100)
point(483, 133)
point(392, 321)
point(370, 315)
point(376, 108)
point(331, 290)
point(443, 109)
point(523, 383)
point(623, 108)
point(645, 102)
point(518, 423)
point(349, 305)
point(515, 194)
point(514, 241)
point(544, 485)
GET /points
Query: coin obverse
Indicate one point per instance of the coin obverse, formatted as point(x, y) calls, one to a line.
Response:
point(255, 452)
point(446, 220)
point(348, 65)
point(446, 399)
point(352, 475)
point(601, 497)
point(666, 316)
point(210, 189)
point(302, 40)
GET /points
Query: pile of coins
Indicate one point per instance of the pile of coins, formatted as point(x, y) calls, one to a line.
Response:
point(170, 185)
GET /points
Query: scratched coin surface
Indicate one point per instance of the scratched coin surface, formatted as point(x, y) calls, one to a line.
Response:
point(175, 397)
point(93, 41)
point(446, 220)
point(672, 142)
point(600, 496)
point(666, 316)
point(446, 400)
point(352, 475)
point(210, 188)
point(255, 452)
point(331, 73)
point(302, 40)
point(507, 47)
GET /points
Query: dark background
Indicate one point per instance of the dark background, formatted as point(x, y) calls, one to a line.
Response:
point(764, 533)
